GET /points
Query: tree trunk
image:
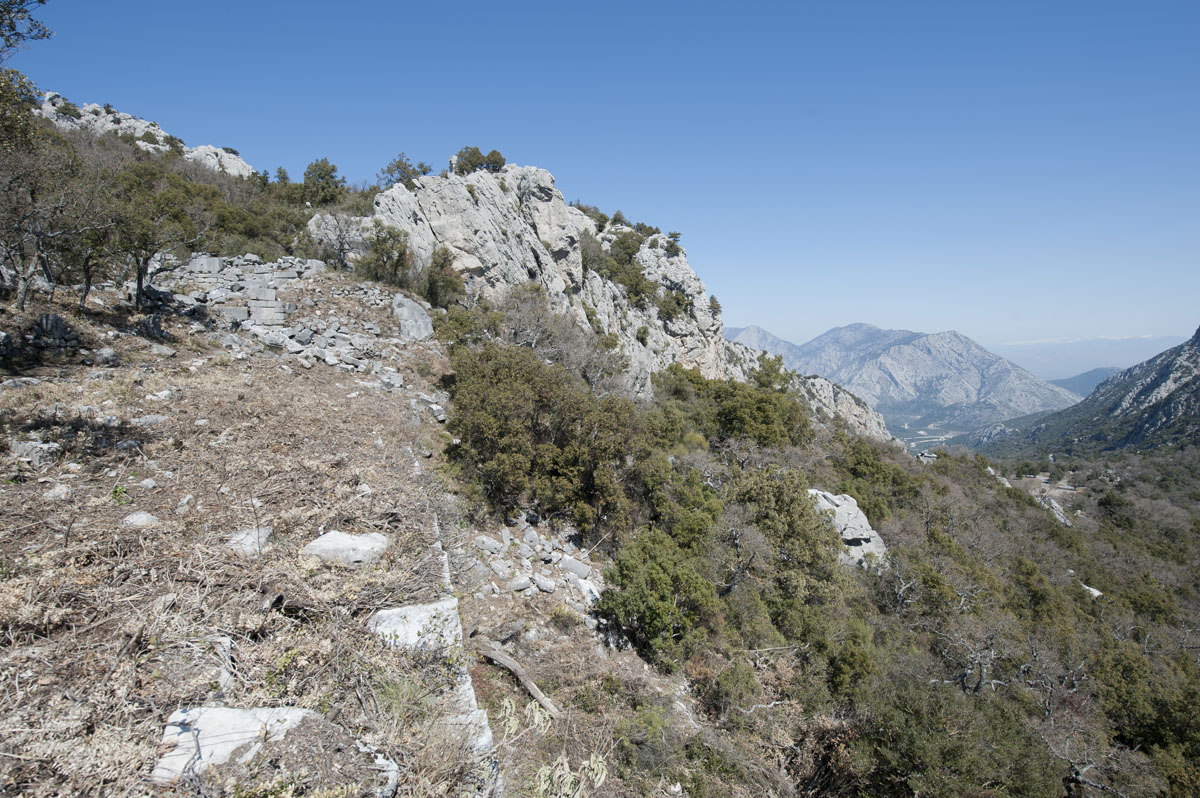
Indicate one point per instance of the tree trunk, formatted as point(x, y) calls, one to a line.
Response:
point(142, 266)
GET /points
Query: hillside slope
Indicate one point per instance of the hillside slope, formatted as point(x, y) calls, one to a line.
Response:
point(1155, 403)
point(1085, 383)
point(925, 380)
point(512, 227)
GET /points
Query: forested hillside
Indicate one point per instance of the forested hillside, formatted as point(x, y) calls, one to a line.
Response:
point(972, 660)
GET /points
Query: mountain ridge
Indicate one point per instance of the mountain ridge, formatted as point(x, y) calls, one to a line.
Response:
point(1152, 404)
point(942, 379)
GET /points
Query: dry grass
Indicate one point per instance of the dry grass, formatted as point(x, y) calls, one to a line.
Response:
point(106, 629)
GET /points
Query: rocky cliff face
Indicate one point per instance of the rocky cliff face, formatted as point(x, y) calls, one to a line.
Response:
point(920, 379)
point(512, 227)
point(1154, 403)
point(147, 135)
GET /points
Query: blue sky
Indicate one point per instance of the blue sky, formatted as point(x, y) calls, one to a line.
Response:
point(1013, 170)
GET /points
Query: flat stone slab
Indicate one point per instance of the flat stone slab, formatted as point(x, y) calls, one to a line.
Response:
point(412, 319)
point(208, 736)
point(574, 566)
point(352, 550)
point(423, 626)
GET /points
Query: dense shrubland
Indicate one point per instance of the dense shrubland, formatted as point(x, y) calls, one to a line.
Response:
point(971, 661)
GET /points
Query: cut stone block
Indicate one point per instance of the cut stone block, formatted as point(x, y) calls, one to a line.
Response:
point(424, 626)
point(352, 550)
point(208, 736)
point(233, 312)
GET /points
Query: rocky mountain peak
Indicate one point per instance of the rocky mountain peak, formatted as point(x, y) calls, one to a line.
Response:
point(1155, 403)
point(943, 381)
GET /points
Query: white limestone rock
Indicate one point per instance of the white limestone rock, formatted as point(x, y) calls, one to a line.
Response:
point(140, 520)
point(419, 626)
point(436, 627)
point(204, 737)
point(509, 228)
point(858, 538)
point(148, 136)
point(1055, 509)
point(60, 492)
point(347, 549)
point(37, 453)
point(412, 319)
point(250, 542)
point(218, 160)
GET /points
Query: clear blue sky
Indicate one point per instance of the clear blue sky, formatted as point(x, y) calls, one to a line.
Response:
point(1013, 169)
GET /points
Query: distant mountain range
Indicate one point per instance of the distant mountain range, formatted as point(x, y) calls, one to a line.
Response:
point(941, 380)
point(1155, 403)
point(1085, 383)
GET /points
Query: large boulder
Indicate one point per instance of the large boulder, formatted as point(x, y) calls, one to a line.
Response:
point(859, 539)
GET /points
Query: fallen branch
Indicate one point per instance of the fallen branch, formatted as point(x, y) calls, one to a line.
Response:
point(490, 650)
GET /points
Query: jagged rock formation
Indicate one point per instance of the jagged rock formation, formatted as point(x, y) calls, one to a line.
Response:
point(917, 378)
point(1155, 403)
point(147, 135)
point(512, 227)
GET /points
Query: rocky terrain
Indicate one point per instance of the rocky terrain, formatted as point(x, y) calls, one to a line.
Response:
point(104, 120)
point(1155, 403)
point(230, 546)
point(942, 381)
point(511, 227)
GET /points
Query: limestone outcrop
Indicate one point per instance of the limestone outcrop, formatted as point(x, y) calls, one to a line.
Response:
point(511, 227)
point(858, 537)
point(100, 120)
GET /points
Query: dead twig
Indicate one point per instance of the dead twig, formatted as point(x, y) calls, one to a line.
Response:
point(489, 649)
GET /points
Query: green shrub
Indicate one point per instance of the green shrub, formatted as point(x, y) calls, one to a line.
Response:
point(657, 597)
point(531, 431)
point(401, 170)
point(322, 184)
point(388, 259)
point(470, 159)
point(442, 284)
point(68, 108)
